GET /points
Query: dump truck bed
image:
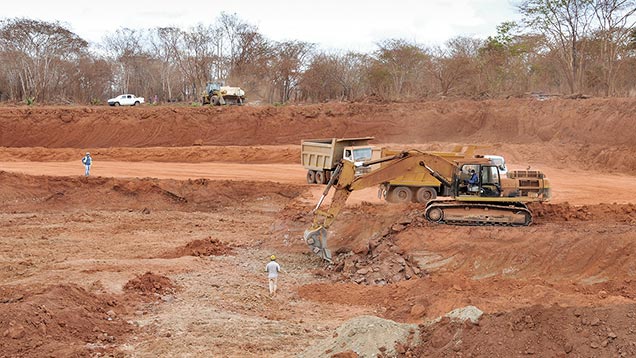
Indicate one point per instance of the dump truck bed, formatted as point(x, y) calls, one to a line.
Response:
point(325, 154)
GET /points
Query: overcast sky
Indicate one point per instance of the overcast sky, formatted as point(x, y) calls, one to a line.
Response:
point(332, 24)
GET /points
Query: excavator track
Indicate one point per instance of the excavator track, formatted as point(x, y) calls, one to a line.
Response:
point(477, 214)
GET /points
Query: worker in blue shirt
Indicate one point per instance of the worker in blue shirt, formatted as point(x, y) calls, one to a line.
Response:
point(474, 179)
point(87, 161)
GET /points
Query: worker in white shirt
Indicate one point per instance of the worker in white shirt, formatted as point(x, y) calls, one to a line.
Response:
point(272, 269)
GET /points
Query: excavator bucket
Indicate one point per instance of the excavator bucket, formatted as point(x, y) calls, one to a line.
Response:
point(316, 238)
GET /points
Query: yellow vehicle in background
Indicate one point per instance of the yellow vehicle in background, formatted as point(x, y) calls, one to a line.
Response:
point(218, 95)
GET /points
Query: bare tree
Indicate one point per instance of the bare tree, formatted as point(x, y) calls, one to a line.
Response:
point(165, 43)
point(125, 49)
point(349, 74)
point(564, 24)
point(92, 80)
point(247, 54)
point(290, 60)
point(616, 24)
point(454, 65)
point(36, 52)
point(401, 62)
point(334, 76)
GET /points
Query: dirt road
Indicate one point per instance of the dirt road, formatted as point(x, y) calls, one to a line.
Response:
point(279, 173)
point(572, 186)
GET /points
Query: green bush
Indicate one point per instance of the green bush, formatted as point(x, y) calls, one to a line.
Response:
point(30, 101)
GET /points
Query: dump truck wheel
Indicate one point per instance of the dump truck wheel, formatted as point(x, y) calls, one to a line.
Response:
point(425, 194)
point(311, 177)
point(402, 194)
point(321, 177)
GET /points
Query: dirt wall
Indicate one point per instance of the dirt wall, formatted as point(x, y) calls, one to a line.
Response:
point(507, 121)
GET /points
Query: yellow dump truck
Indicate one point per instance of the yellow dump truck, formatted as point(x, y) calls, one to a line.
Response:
point(321, 156)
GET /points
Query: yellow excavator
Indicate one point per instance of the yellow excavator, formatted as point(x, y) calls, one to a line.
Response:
point(482, 197)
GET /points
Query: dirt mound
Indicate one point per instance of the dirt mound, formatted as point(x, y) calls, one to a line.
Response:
point(22, 191)
point(537, 330)
point(364, 336)
point(150, 283)
point(203, 247)
point(62, 320)
point(624, 213)
point(510, 121)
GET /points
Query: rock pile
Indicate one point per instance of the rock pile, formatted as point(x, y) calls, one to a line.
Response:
point(381, 262)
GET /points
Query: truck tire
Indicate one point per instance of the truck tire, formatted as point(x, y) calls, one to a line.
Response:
point(136, 103)
point(321, 177)
point(424, 194)
point(311, 177)
point(401, 194)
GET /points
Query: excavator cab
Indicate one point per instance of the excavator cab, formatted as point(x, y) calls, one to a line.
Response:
point(487, 185)
point(490, 180)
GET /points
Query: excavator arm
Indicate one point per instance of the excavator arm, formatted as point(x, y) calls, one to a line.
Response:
point(345, 181)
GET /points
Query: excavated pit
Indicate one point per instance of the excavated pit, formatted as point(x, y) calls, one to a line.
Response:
point(202, 221)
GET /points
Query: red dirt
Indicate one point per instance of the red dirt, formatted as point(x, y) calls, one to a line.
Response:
point(78, 243)
point(536, 330)
point(150, 283)
point(60, 320)
point(204, 247)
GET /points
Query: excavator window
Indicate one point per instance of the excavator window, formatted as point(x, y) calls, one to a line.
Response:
point(490, 182)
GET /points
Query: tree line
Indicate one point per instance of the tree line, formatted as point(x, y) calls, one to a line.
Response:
point(560, 47)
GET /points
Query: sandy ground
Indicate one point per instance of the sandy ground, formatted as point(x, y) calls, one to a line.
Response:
point(164, 257)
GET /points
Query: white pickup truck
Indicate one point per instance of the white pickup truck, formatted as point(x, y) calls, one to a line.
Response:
point(126, 100)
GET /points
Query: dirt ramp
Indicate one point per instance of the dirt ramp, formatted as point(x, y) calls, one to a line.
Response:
point(61, 321)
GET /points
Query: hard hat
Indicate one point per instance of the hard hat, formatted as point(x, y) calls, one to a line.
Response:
point(273, 257)
point(87, 153)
